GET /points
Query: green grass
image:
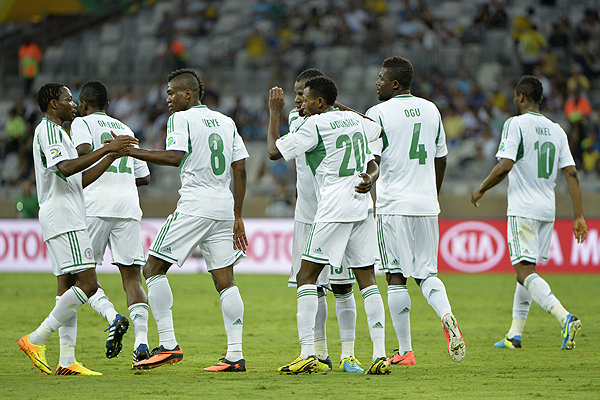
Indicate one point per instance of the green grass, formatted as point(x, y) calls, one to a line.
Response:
point(482, 304)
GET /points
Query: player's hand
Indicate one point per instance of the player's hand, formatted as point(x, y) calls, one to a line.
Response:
point(120, 142)
point(240, 241)
point(364, 186)
point(580, 229)
point(475, 196)
point(276, 101)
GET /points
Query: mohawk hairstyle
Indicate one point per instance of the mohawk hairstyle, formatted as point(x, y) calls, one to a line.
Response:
point(323, 86)
point(50, 91)
point(399, 69)
point(189, 80)
point(95, 93)
point(530, 87)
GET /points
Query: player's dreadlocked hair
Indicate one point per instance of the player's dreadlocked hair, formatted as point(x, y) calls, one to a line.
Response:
point(399, 69)
point(50, 91)
point(95, 93)
point(323, 86)
point(309, 74)
point(189, 79)
point(530, 87)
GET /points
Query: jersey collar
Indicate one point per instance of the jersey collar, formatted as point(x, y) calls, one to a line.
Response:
point(403, 96)
point(534, 113)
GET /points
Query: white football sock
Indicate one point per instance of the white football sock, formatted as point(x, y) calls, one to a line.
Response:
point(399, 304)
point(102, 305)
point(67, 337)
point(308, 303)
point(160, 299)
point(232, 308)
point(521, 306)
point(138, 313)
point(435, 292)
point(375, 318)
point(64, 309)
point(540, 292)
point(345, 310)
point(321, 327)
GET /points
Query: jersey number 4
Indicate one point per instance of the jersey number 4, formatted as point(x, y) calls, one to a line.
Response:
point(417, 151)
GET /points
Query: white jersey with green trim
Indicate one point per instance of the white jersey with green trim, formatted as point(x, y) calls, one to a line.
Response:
point(539, 148)
point(114, 193)
point(414, 137)
point(62, 206)
point(211, 143)
point(337, 151)
point(306, 201)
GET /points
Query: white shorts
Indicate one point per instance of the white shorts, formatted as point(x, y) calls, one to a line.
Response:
point(122, 235)
point(301, 230)
point(71, 253)
point(353, 244)
point(528, 239)
point(181, 233)
point(408, 245)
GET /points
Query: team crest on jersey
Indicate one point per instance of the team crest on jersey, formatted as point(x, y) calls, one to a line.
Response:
point(171, 141)
point(55, 152)
point(88, 253)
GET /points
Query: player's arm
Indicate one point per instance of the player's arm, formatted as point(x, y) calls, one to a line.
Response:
point(89, 176)
point(497, 175)
point(170, 158)
point(440, 171)
point(240, 241)
point(142, 181)
point(345, 108)
point(369, 177)
point(276, 104)
point(73, 166)
point(579, 226)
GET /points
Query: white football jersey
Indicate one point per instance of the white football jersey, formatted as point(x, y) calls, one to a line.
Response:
point(337, 151)
point(211, 143)
point(114, 193)
point(539, 148)
point(414, 137)
point(306, 201)
point(62, 206)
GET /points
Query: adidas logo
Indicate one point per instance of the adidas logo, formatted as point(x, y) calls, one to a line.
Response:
point(378, 325)
point(167, 250)
point(395, 262)
point(433, 291)
point(238, 322)
point(318, 251)
point(525, 303)
point(406, 309)
point(136, 316)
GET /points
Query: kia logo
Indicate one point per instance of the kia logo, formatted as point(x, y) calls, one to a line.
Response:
point(472, 246)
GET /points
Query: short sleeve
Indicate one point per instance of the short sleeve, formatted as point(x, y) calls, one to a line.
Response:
point(376, 147)
point(372, 130)
point(140, 168)
point(80, 132)
point(440, 141)
point(239, 148)
point(565, 158)
point(177, 133)
point(302, 140)
point(53, 145)
point(511, 137)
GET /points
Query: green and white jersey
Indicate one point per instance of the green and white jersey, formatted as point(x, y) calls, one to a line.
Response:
point(114, 193)
point(337, 151)
point(211, 143)
point(539, 148)
point(414, 137)
point(62, 206)
point(306, 201)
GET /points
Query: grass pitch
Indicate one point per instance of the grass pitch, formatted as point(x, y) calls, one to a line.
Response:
point(482, 304)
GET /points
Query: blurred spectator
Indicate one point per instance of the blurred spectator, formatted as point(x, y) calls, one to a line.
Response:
point(126, 108)
point(463, 82)
point(591, 154)
point(531, 44)
point(15, 131)
point(577, 110)
point(179, 56)
point(487, 145)
point(498, 16)
point(256, 46)
point(356, 18)
point(559, 38)
point(589, 27)
point(521, 23)
point(281, 205)
point(26, 205)
point(30, 56)
point(577, 80)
